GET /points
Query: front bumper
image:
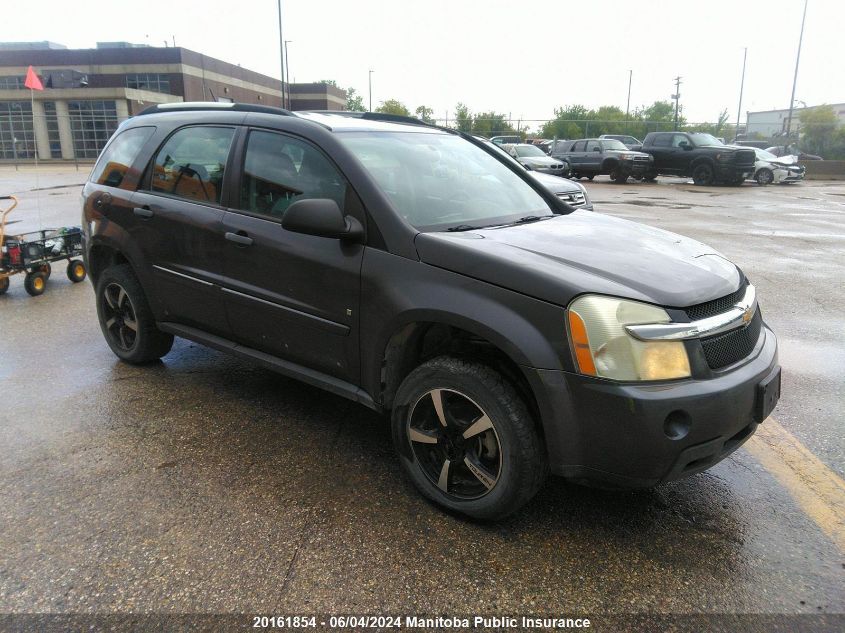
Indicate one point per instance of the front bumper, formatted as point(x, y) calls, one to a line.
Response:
point(787, 175)
point(637, 168)
point(631, 435)
point(562, 173)
point(731, 172)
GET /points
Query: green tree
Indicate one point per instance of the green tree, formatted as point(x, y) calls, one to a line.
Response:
point(424, 113)
point(463, 118)
point(328, 82)
point(491, 124)
point(354, 101)
point(818, 128)
point(393, 106)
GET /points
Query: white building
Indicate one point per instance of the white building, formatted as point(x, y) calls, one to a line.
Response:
point(772, 123)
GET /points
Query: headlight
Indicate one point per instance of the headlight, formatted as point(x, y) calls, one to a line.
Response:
point(602, 347)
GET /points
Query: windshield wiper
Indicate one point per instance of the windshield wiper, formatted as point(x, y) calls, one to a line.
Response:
point(532, 218)
point(463, 227)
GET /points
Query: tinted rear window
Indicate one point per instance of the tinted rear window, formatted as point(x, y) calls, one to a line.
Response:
point(118, 157)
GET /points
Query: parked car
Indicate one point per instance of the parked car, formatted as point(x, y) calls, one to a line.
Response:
point(536, 159)
point(505, 140)
point(631, 142)
point(700, 156)
point(572, 193)
point(773, 169)
point(592, 156)
point(791, 150)
point(412, 269)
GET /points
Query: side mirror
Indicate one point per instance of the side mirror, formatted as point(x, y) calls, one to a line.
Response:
point(323, 218)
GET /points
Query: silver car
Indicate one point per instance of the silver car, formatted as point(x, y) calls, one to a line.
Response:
point(536, 159)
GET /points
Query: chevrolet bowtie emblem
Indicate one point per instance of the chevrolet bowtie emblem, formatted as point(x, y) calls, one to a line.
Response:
point(746, 316)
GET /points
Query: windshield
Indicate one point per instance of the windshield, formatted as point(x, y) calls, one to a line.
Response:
point(702, 139)
point(529, 150)
point(441, 181)
point(613, 144)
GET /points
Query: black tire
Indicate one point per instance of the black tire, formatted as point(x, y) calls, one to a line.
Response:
point(618, 177)
point(509, 452)
point(126, 320)
point(650, 177)
point(4, 285)
point(738, 181)
point(764, 177)
point(35, 283)
point(76, 271)
point(590, 177)
point(703, 174)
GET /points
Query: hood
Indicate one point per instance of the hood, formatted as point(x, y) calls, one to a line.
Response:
point(560, 258)
point(540, 161)
point(555, 183)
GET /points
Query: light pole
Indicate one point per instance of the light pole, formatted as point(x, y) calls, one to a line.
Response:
point(287, 69)
point(741, 86)
point(677, 98)
point(795, 77)
point(371, 90)
point(628, 107)
point(282, 52)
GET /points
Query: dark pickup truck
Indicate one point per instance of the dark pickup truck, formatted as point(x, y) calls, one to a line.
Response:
point(590, 157)
point(699, 155)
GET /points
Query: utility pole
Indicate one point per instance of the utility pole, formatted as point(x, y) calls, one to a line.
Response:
point(677, 98)
point(741, 86)
point(282, 52)
point(628, 107)
point(287, 70)
point(795, 78)
point(371, 90)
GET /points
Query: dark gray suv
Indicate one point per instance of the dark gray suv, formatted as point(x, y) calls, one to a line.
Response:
point(414, 270)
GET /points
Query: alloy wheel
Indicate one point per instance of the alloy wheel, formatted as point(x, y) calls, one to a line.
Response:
point(120, 319)
point(455, 443)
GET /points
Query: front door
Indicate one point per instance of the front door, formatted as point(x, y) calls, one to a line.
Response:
point(291, 295)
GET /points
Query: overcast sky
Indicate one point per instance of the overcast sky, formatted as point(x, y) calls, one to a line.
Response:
point(517, 58)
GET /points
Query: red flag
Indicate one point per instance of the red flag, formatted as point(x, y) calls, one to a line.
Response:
point(32, 81)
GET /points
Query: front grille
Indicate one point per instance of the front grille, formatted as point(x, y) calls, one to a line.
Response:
point(746, 157)
point(726, 349)
point(717, 306)
point(645, 159)
point(572, 199)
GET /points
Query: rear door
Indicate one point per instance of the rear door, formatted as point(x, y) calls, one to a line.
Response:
point(576, 154)
point(291, 295)
point(179, 224)
point(592, 157)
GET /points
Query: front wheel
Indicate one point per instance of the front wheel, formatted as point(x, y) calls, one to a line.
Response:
point(764, 177)
point(126, 319)
point(35, 283)
point(703, 174)
point(466, 439)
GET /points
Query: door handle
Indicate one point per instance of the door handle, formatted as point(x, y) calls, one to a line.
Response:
point(239, 238)
point(143, 212)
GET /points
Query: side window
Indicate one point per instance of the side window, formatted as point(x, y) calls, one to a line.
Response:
point(578, 147)
point(279, 170)
point(118, 157)
point(593, 146)
point(662, 140)
point(191, 163)
point(679, 139)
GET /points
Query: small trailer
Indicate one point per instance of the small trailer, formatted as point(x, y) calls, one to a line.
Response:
point(33, 253)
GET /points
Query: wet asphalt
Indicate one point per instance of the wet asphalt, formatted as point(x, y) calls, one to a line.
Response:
point(202, 484)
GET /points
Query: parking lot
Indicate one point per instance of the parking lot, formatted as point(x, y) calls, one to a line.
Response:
point(206, 485)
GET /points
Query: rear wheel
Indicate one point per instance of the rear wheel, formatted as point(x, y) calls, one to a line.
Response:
point(702, 175)
point(35, 283)
point(764, 177)
point(126, 320)
point(76, 271)
point(4, 285)
point(466, 439)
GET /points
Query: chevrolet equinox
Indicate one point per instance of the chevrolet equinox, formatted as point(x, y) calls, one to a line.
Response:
point(414, 270)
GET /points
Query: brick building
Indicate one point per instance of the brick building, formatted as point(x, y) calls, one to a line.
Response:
point(87, 92)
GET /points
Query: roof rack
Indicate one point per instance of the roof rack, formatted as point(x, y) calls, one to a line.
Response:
point(386, 118)
point(193, 106)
